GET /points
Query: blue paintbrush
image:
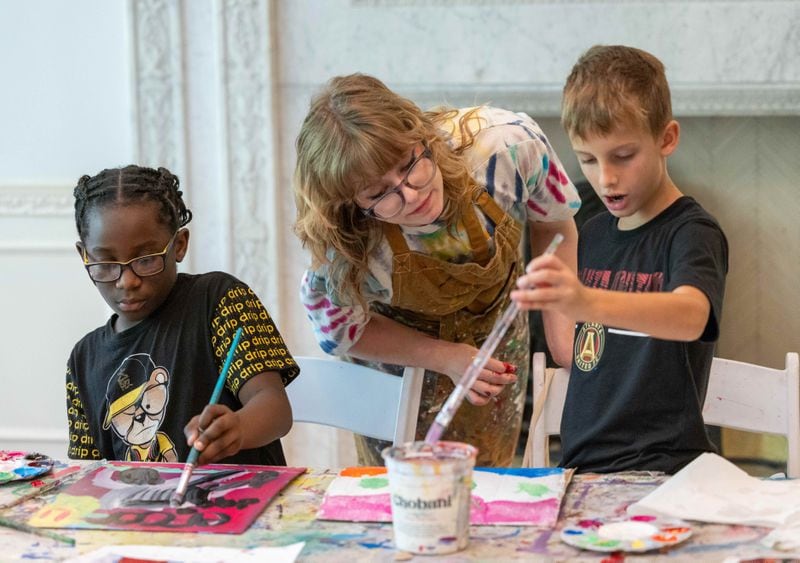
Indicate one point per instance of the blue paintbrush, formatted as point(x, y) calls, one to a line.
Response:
point(191, 461)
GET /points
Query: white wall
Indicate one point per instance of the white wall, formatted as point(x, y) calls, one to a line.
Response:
point(65, 110)
point(65, 100)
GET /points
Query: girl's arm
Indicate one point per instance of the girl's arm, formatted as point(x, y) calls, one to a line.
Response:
point(388, 341)
point(81, 442)
point(265, 416)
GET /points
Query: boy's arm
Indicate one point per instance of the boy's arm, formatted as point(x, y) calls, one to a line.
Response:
point(681, 314)
point(559, 328)
point(688, 307)
point(386, 340)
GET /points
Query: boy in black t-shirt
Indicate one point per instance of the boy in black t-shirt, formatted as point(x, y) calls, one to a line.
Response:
point(138, 387)
point(648, 296)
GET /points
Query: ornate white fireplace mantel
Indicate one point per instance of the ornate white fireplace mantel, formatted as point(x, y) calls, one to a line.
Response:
point(687, 100)
point(222, 87)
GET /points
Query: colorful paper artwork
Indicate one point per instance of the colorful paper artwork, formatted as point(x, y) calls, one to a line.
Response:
point(500, 496)
point(19, 466)
point(222, 499)
point(15, 492)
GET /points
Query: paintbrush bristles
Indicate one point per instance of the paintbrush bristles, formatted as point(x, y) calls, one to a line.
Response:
point(183, 485)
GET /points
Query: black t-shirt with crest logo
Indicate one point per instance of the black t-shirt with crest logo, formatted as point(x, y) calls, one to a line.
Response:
point(635, 402)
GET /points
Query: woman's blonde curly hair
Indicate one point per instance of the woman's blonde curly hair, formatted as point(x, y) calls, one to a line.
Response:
point(356, 130)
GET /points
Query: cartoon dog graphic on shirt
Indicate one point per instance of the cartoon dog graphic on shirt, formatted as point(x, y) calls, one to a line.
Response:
point(136, 399)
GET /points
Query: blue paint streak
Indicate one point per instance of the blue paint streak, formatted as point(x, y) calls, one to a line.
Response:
point(519, 183)
point(491, 169)
point(523, 471)
point(385, 544)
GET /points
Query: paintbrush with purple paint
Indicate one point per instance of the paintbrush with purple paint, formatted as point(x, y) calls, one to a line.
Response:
point(478, 362)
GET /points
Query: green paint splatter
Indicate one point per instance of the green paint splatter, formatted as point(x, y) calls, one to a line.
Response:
point(534, 489)
point(374, 482)
point(474, 484)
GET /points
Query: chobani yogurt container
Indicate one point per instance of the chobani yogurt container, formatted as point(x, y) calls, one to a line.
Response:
point(430, 495)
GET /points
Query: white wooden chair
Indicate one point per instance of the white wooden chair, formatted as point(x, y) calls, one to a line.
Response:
point(357, 398)
point(549, 394)
point(757, 399)
point(740, 395)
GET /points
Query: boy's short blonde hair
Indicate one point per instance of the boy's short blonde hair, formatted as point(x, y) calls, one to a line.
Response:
point(613, 85)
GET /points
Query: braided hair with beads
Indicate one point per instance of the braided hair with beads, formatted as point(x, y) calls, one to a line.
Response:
point(116, 186)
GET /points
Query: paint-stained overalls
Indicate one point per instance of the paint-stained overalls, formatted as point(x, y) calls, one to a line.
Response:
point(460, 303)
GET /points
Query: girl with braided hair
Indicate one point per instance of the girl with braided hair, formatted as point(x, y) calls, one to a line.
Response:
point(138, 387)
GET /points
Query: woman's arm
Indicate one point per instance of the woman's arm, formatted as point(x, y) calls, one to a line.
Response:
point(388, 341)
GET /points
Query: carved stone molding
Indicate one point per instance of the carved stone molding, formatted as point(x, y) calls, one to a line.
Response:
point(35, 201)
point(247, 74)
point(482, 3)
point(688, 100)
point(159, 83)
point(724, 99)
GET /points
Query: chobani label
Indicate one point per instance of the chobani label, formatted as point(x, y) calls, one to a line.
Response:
point(421, 504)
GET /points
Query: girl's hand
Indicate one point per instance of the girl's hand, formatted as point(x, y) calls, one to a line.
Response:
point(216, 433)
point(491, 381)
point(549, 284)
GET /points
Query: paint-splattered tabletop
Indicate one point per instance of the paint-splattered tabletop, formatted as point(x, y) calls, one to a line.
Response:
point(291, 517)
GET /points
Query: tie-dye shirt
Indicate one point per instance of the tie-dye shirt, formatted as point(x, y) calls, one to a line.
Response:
point(513, 160)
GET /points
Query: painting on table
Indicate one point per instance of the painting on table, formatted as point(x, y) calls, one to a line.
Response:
point(500, 496)
point(135, 496)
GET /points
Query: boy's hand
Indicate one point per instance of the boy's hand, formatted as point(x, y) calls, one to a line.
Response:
point(493, 379)
point(549, 284)
point(216, 433)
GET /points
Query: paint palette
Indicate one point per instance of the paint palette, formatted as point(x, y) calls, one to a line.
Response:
point(638, 533)
point(18, 466)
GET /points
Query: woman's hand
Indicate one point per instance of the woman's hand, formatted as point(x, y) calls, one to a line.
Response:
point(492, 380)
point(216, 433)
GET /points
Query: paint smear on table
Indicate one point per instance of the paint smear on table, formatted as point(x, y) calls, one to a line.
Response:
point(199, 554)
point(223, 499)
point(500, 496)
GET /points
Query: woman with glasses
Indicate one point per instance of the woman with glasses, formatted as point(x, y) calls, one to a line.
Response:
point(138, 387)
point(415, 224)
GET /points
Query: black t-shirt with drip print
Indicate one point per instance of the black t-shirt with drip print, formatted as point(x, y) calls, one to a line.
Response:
point(635, 402)
point(130, 394)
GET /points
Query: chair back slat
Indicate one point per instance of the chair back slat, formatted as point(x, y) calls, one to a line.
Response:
point(740, 395)
point(356, 398)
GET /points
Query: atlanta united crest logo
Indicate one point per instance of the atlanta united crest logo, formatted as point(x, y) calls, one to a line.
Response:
point(589, 346)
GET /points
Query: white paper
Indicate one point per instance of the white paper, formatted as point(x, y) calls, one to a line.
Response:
point(712, 489)
point(786, 537)
point(202, 554)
